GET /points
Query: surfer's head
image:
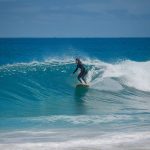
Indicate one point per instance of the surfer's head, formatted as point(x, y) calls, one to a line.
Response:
point(78, 61)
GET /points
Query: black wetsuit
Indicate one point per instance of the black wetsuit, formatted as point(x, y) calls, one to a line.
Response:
point(82, 73)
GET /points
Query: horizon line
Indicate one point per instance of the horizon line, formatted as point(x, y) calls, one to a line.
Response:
point(79, 37)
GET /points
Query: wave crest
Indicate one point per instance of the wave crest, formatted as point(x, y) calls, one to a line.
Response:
point(101, 75)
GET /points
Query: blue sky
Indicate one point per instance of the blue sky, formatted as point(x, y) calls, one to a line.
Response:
point(74, 18)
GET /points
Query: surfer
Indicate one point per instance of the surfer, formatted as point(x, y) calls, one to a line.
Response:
point(83, 71)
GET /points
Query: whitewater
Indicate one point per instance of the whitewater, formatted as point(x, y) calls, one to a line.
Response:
point(41, 108)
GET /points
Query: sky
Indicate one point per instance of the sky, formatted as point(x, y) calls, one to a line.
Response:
point(74, 18)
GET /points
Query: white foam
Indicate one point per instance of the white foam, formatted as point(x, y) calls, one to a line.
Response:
point(84, 119)
point(113, 76)
point(76, 140)
point(130, 73)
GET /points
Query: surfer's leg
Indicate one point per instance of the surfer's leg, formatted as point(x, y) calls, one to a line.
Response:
point(79, 76)
point(84, 80)
point(83, 76)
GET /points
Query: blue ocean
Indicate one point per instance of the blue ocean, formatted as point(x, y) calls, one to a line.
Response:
point(41, 107)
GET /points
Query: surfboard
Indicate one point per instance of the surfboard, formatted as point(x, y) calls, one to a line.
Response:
point(82, 85)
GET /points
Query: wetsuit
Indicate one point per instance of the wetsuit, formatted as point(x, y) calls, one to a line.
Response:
point(82, 73)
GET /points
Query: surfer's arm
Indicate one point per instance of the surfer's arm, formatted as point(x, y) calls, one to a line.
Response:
point(76, 69)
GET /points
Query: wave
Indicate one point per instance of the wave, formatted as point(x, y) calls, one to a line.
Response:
point(75, 140)
point(98, 122)
point(101, 75)
point(46, 88)
point(71, 120)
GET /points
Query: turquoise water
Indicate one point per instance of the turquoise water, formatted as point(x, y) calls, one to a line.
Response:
point(41, 108)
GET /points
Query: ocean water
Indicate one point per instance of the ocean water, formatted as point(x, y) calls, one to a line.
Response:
point(41, 108)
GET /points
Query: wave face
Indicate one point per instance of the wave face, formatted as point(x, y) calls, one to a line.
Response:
point(38, 88)
point(40, 104)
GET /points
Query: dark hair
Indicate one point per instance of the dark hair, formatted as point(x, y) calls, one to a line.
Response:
point(79, 62)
